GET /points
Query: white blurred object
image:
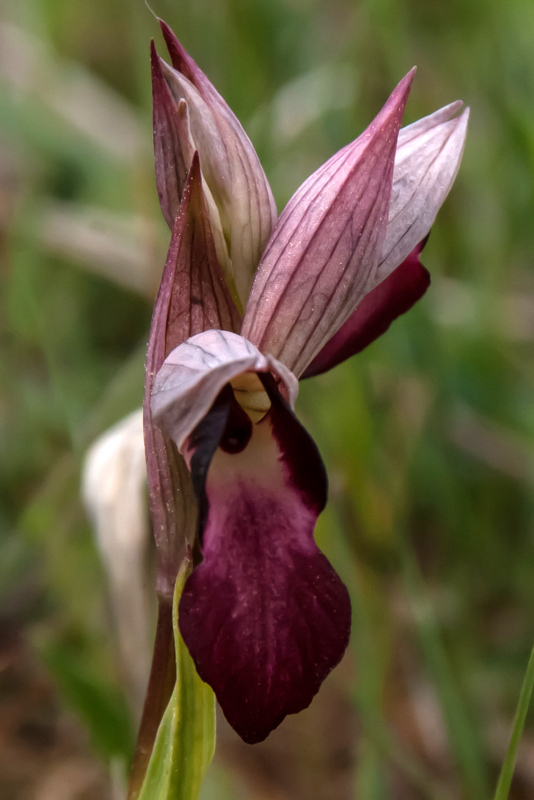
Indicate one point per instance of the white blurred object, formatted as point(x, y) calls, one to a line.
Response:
point(114, 488)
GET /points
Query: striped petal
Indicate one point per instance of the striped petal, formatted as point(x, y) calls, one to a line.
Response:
point(428, 157)
point(230, 165)
point(394, 296)
point(192, 297)
point(325, 249)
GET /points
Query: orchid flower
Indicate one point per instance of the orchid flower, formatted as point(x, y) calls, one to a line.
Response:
point(248, 304)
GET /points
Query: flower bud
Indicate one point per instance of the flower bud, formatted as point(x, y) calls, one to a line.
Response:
point(189, 115)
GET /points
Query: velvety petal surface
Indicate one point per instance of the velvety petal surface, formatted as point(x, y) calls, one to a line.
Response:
point(229, 163)
point(428, 157)
point(264, 616)
point(394, 296)
point(192, 296)
point(324, 251)
point(194, 373)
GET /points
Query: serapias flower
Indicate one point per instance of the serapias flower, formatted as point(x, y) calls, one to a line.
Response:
point(263, 614)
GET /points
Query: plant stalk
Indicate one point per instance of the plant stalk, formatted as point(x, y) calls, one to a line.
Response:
point(160, 687)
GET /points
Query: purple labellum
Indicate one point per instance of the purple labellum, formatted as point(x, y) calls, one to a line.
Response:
point(264, 616)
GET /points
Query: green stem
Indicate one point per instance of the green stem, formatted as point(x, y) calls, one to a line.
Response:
point(160, 687)
point(507, 771)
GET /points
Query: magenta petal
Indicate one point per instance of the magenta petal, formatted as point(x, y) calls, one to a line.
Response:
point(394, 296)
point(264, 616)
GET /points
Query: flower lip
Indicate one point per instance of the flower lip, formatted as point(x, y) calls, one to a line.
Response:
point(226, 426)
point(264, 615)
point(237, 432)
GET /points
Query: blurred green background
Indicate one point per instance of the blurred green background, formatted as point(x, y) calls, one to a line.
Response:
point(428, 436)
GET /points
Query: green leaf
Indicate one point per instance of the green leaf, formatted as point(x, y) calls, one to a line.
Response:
point(507, 771)
point(185, 742)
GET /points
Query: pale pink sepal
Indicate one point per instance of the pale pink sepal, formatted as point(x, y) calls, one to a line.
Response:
point(173, 155)
point(229, 164)
point(428, 157)
point(173, 145)
point(195, 372)
point(192, 296)
point(324, 251)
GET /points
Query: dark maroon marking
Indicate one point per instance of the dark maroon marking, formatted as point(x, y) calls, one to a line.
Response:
point(394, 296)
point(264, 616)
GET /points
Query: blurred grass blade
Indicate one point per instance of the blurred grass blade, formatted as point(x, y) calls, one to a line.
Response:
point(185, 742)
point(507, 771)
point(101, 706)
point(462, 731)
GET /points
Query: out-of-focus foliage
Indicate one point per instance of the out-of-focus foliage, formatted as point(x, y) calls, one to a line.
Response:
point(428, 436)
